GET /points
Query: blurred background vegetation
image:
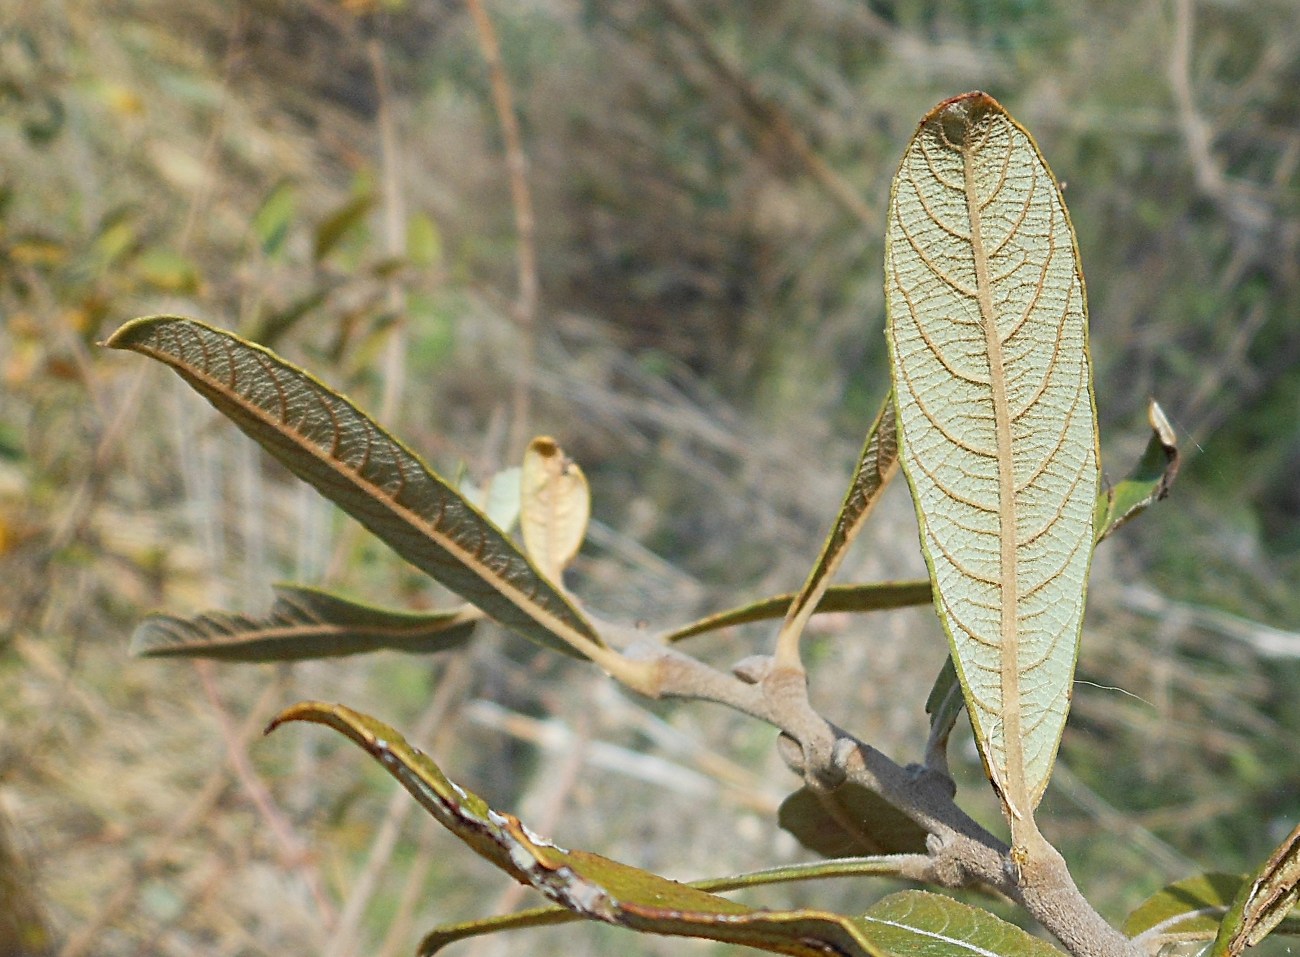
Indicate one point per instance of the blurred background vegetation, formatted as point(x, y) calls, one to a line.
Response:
point(685, 277)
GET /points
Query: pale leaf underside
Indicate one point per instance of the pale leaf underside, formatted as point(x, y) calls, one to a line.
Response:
point(988, 341)
point(555, 506)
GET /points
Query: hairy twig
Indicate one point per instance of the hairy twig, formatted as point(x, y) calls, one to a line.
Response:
point(521, 199)
point(962, 852)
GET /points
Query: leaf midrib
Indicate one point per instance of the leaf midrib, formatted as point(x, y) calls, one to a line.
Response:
point(378, 495)
point(1009, 646)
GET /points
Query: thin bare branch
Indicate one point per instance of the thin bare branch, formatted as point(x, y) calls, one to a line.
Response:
point(294, 852)
point(394, 208)
point(521, 199)
point(132, 876)
point(1246, 210)
point(767, 114)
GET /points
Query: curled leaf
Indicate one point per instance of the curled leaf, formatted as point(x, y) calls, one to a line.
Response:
point(1149, 481)
point(591, 886)
point(1263, 902)
point(883, 866)
point(555, 506)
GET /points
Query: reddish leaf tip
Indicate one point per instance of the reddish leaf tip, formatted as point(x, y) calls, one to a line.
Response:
point(302, 711)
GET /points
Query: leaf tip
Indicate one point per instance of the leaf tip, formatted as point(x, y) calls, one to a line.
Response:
point(544, 445)
point(955, 116)
point(130, 333)
point(150, 639)
point(302, 711)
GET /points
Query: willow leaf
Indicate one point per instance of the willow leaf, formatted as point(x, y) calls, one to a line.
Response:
point(878, 596)
point(988, 345)
point(849, 820)
point(302, 624)
point(1190, 908)
point(882, 866)
point(1264, 900)
point(876, 466)
point(593, 887)
point(920, 924)
point(1194, 908)
point(329, 443)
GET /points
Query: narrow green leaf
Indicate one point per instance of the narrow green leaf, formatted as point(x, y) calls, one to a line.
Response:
point(303, 623)
point(876, 466)
point(167, 271)
point(920, 924)
point(1263, 901)
point(988, 345)
point(273, 325)
point(446, 934)
point(878, 596)
point(594, 887)
point(330, 444)
point(273, 218)
point(339, 223)
point(1194, 909)
point(943, 705)
point(849, 821)
point(1149, 481)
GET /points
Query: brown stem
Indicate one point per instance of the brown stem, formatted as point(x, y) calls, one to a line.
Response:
point(521, 199)
point(962, 852)
point(394, 362)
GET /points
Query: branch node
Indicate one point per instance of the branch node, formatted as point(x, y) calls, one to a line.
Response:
point(790, 752)
point(752, 670)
